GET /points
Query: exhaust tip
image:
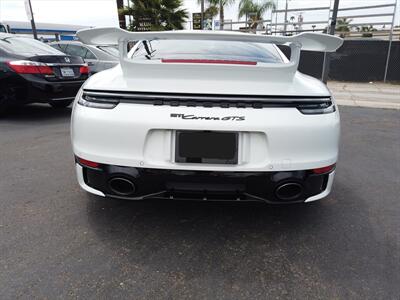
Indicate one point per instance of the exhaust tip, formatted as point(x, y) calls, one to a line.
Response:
point(121, 186)
point(289, 191)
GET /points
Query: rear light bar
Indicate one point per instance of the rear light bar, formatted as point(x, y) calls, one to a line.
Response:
point(96, 102)
point(317, 109)
point(87, 163)
point(209, 61)
point(30, 67)
point(324, 170)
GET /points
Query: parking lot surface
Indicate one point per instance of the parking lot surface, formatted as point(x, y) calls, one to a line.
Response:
point(58, 242)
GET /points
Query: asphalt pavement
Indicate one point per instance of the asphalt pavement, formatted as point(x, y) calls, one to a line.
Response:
point(58, 242)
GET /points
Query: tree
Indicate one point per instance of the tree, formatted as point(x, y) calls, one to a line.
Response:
point(368, 28)
point(217, 5)
point(211, 11)
point(343, 26)
point(367, 31)
point(156, 14)
point(255, 8)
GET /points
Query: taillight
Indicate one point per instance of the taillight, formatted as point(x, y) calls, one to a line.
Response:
point(323, 170)
point(87, 163)
point(97, 102)
point(30, 67)
point(84, 70)
point(326, 107)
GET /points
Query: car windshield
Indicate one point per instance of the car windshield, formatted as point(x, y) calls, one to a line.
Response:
point(2, 28)
point(112, 50)
point(210, 50)
point(26, 46)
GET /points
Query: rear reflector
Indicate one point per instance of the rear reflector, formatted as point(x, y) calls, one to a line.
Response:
point(87, 163)
point(30, 67)
point(84, 70)
point(209, 61)
point(323, 170)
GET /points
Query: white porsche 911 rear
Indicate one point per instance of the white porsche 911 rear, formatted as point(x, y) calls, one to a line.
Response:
point(208, 116)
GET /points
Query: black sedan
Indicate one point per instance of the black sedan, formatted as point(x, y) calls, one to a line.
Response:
point(33, 72)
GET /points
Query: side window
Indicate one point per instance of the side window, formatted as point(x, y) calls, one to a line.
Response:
point(62, 46)
point(56, 46)
point(90, 55)
point(75, 50)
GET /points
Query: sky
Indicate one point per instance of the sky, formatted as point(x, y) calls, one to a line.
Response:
point(104, 12)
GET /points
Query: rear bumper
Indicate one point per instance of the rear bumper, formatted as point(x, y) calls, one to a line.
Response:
point(205, 185)
point(144, 136)
point(34, 90)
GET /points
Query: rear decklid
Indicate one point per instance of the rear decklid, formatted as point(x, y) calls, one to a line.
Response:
point(64, 67)
point(209, 76)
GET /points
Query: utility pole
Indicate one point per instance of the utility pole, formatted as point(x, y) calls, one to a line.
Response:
point(29, 12)
point(390, 43)
point(332, 27)
point(121, 17)
point(285, 21)
point(202, 14)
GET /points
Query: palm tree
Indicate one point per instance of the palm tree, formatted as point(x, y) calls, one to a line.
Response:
point(211, 11)
point(367, 30)
point(256, 8)
point(217, 5)
point(156, 14)
point(343, 25)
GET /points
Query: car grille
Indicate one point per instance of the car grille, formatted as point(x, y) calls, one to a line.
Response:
point(200, 100)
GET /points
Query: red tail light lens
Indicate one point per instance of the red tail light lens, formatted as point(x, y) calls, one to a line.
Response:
point(87, 163)
point(84, 70)
point(323, 170)
point(30, 67)
point(209, 61)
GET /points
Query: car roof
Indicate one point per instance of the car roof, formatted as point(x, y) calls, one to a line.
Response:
point(67, 42)
point(100, 54)
point(6, 35)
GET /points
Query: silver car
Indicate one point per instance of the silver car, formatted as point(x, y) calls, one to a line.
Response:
point(98, 57)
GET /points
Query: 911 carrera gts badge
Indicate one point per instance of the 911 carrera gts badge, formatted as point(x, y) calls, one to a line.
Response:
point(193, 117)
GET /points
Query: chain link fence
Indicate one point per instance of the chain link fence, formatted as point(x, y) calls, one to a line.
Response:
point(368, 53)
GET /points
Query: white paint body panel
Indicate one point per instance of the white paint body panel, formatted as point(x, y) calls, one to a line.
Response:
point(140, 135)
point(270, 139)
point(207, 79)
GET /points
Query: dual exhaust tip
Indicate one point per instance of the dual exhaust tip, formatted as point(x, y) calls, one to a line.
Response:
point(289, 191)
point(122, 186)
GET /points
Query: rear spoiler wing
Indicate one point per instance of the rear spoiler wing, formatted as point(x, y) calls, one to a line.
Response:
point(303, 41)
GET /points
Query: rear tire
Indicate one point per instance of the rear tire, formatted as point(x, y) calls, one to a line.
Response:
point(4, 103)
point(60, 103)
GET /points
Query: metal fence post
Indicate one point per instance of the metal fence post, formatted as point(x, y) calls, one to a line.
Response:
point(332, 28)
point(390, 43)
